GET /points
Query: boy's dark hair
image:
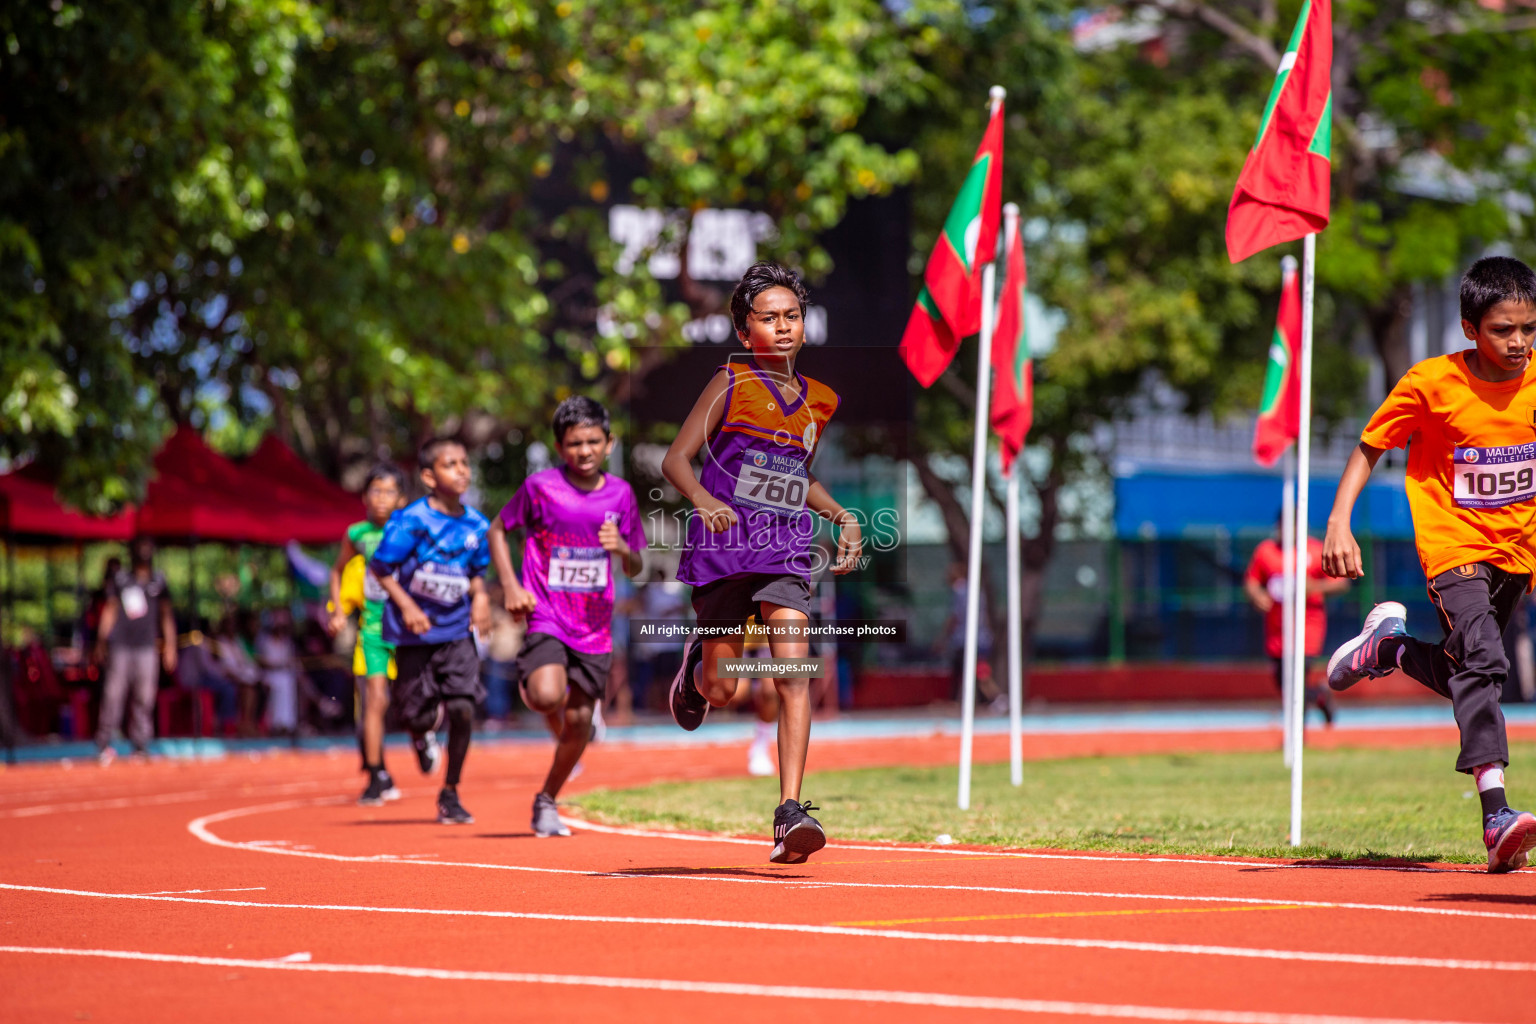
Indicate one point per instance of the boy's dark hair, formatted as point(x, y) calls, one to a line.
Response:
point(579, 411)
point(386, 471)
point(759, 278)
point(1492, 280)
point(141, 551)
point(426, 455)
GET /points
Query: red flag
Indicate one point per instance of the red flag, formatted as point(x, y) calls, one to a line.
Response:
point(1282, 193)
point(927, 344)
point(1279, 420)
point(952, 280)
point(1013, 389)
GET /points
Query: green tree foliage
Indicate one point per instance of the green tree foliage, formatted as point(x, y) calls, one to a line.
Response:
point(368, 221)
point(1124, 158)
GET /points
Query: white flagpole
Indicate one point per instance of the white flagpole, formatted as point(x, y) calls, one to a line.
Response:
point(1015, 636)
point(1015, 602)
point(973, 582)
point(1303, 481)
point(1288, 609)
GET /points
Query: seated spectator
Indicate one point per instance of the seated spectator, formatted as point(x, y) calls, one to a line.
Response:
point(198, 668)
point(234, 645)
point(37, 691)
point(279, 660)
point(325, 686)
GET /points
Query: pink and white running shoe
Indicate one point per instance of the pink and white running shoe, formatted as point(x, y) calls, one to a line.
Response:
point(1355, 659)
point(1510, 835)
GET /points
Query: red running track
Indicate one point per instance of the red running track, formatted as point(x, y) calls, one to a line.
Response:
point(257, 891)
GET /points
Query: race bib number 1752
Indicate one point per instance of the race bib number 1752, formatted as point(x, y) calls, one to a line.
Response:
point(578, 569)
point(1494, 477)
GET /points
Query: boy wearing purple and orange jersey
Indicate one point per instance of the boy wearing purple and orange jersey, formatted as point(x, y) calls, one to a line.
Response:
point(576, 518)
point(748, 550)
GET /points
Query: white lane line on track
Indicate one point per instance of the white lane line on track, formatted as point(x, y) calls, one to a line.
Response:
point(123, 802)
point(696, 837)
point(1051, 941)
point(188, 892)
point(199, 828)
point(726, 988)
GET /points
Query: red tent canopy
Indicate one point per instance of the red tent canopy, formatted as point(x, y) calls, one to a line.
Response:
point(278, 463)
point(28, 506)
point(196, 492)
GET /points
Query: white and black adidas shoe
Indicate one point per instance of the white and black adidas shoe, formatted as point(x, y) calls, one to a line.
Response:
point(796, 834)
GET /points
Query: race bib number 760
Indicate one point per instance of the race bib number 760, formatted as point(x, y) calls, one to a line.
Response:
point(1494, 477)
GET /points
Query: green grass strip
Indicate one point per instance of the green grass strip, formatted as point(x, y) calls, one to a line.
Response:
point(1376, 804)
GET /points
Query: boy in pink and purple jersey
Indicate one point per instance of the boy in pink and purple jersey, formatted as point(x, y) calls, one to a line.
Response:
point(576, 518)
point(749, 547)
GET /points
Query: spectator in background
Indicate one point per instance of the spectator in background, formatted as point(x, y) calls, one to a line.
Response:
point(237, 664)
point(660, 601)
point(138, 607)
point(35, 685)
point(952, 638)
point(198, 668)
point(499, 664)
point(1264, 583)
point(325, 683)
point(279, 660)
point(97, 603)
point(626, 601)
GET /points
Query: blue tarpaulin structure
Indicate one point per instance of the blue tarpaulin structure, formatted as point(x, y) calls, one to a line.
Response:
point(1156, 505)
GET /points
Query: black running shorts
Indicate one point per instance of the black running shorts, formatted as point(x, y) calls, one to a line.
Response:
point(428, 673)
point(734, 599)
point(590, 672)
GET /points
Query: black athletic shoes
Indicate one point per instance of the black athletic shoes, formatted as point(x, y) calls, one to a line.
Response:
point(428, 752)
point(688, 705)
point(450, 811)
point(546, 818)
point(381, 788)
point(796, 833)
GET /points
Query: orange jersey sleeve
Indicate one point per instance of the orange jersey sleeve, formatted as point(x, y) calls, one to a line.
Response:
point(1399, 416)
point(1471, 478)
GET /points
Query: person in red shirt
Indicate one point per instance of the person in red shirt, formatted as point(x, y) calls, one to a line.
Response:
point(1264, 582)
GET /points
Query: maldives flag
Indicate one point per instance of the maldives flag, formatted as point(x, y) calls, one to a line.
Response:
point(949, 306)
point(1013, 389)
point(1280, 409)
point(1282, 193)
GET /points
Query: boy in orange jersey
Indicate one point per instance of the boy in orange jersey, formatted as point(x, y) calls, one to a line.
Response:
point(1471, 418)
point(748, 550)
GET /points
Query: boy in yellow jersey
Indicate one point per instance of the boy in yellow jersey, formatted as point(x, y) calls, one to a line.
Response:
point(1471, 420)
point(372, 660)
point(747, 550)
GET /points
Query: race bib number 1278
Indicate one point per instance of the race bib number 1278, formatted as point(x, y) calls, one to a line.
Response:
point(1494, 477)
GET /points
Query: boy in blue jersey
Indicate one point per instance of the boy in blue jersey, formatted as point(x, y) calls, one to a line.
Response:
point(432, 561)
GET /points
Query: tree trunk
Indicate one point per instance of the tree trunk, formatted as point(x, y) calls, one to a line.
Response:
point(957, 527)
point(1036, 553)
point(1389, 330)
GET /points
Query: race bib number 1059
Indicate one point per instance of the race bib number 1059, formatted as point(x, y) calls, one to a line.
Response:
point(1494, 477)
